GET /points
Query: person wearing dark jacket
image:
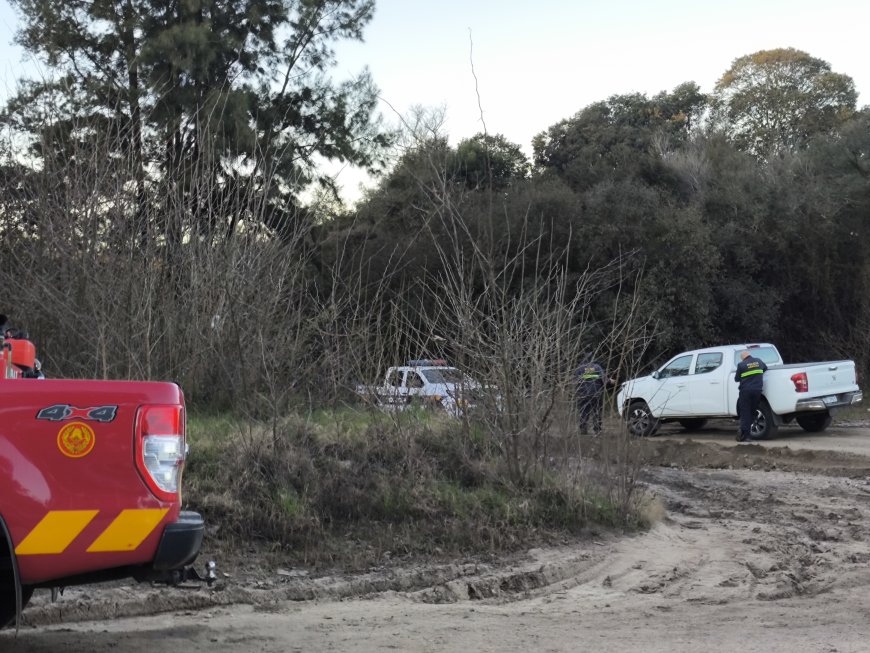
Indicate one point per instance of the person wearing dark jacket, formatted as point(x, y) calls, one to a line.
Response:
point(591, 381)
point(10, 332)
point(750, 376)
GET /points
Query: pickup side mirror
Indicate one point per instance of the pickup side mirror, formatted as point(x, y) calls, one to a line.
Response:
point(655, 374)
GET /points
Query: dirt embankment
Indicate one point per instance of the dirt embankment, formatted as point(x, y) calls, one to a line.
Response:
point(765, 547)
point(767, 456)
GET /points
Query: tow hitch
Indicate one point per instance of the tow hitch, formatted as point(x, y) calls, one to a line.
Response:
point(189, 574)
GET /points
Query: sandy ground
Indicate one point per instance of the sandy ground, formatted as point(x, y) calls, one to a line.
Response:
point(765, 547)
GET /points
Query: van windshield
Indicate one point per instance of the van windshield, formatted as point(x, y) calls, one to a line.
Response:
point(444, 375)
point(767, 354)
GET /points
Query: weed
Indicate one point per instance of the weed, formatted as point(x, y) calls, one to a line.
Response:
point(349, 486)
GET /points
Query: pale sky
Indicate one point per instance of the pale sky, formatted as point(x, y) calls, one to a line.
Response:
point(539, 62)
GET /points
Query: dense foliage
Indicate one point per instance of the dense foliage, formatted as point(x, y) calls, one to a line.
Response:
point(152, 224)
point(738, 242)
point(231, 99)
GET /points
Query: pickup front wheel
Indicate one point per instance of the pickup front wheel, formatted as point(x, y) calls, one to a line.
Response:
point(815, 423)
point(640, 420)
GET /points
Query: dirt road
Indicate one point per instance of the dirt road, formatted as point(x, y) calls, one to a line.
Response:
point(765, 548)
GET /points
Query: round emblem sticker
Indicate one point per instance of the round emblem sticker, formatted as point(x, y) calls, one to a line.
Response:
point(76, 440)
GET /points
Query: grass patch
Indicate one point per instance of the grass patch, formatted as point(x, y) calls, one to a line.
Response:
point(350, 487)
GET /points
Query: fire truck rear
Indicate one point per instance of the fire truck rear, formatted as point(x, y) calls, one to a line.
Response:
point(90, 487)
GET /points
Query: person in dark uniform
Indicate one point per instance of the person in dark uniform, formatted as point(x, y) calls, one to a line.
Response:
point(750, 376)
point(10, 332)
point(591, 381)
point(5, 326)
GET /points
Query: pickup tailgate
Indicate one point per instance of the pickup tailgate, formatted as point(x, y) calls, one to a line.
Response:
point(828, 384)
point(76, 500)
point(831, 379)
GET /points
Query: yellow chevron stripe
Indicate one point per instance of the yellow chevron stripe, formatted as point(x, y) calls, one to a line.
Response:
point(55, 532)
point(128, 530)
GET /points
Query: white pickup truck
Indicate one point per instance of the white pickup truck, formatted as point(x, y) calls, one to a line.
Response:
point(430, 383)
point(695, 386)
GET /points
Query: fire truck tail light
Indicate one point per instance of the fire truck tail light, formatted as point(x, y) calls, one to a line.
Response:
point(161, 420)
point(161, 449)
point(163, 456)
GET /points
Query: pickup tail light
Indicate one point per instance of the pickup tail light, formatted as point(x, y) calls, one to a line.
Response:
point(160, 449)
point(800, 382)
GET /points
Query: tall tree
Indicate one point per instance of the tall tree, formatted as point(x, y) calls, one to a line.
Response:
point(775, 100)
point(616, 136)
point(225, 99)
point(487, 160)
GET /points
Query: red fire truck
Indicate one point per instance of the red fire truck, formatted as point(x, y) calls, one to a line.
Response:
point(90, 481)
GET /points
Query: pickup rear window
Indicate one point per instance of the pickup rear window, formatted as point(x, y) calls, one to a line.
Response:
point(767, 354)
point(708, 362)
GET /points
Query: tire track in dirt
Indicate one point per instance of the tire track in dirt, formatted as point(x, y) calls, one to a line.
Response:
point(742, 536)
point(745, 529)
point(747, 523)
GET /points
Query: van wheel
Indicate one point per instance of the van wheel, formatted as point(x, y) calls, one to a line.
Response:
point(640, 420)
point(815, 423)
point(764, 427)
point(694, 424)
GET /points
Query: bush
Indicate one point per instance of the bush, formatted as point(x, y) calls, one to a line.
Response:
point(347, 487)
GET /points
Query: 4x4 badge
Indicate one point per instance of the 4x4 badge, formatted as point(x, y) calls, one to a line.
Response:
point(63, 412)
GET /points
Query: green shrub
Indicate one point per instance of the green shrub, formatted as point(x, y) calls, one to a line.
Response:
point(347, 486)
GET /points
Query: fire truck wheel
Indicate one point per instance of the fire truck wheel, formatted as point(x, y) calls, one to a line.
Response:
point(7, 605)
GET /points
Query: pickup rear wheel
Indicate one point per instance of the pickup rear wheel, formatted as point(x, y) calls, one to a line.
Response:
point(764, 427)
point(815, 423)
point(693, 424)
point(640, 420)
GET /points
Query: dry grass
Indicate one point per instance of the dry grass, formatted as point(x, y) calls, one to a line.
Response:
point(352, 488)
